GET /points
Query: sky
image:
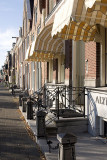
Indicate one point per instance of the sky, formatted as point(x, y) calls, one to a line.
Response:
point(11, 17)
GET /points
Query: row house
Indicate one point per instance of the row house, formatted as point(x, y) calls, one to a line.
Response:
point(70, 48)
point(18, 60)
point(12, 78)
point(7, 68)
point(1, 74)
point(86, 21)
point(50, 60)
point(63, 43)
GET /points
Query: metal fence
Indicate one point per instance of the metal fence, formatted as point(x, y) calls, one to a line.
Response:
point(64, 101)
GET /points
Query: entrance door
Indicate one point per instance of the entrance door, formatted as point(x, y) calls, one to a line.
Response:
point(105, 128)
point(56, 70)
point(105, 57)
point(47, 71)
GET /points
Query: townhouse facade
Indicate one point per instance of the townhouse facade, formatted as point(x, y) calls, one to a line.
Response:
point(63, 42)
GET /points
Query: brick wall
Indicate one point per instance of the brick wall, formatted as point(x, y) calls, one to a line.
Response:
point(92, 57)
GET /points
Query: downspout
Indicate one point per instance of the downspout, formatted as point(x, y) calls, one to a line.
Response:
point(72, 61)
point(105, 59)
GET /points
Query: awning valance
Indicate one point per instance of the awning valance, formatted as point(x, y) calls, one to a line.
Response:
point(46, 47)
point(62, 17)
point(78, 31)
point(89, 3)
point(94, 12)
point(41, 57)
point(75, 20)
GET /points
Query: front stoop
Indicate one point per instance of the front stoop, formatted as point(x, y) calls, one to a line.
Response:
point(72, 125)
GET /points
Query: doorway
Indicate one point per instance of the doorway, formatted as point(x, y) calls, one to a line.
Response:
point(105, 128)
point(56, 70)
point(47, 72)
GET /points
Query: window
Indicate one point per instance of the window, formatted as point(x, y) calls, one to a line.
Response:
point(33, 76)
point(23, 48)
point(23, 27)
point(51, 5)
point(35, 15)
point(47, 71)
point(32, 37)
point(58, 1)
point(26, 24)
point(27, 41)
point(38, 29)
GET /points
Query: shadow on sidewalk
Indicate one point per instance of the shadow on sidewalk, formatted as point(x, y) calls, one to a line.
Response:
point(9, 105)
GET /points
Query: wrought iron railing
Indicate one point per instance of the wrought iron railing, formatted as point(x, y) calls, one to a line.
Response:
point(63, 101)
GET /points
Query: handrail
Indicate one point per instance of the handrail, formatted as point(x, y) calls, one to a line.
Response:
point(72, 95)
point(99, 89)
point(61, 100)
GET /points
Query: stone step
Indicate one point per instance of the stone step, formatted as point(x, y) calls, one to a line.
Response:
point(67, 113)
point(72, 125)
point(71, 121)
point(51, 131)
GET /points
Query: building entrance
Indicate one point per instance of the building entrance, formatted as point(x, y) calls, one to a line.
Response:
point(105, 128)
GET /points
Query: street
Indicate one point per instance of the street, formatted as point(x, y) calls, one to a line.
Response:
point(15, 143)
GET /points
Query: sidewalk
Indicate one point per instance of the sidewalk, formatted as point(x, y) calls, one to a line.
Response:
point(42, 142)
point(87, 147)
point(15, 143)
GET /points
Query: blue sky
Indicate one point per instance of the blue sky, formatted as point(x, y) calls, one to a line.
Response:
point(11, 16)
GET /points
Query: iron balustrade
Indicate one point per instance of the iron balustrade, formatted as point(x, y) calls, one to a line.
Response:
point(63, 101)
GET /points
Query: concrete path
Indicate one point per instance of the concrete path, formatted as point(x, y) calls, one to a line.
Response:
point(15, 143)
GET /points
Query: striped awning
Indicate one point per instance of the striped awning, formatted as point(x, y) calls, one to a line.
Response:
point(46, 47)
point(93, 12)
point(89, 3)
point(78, 31)
point(41, 57)
point(77, 19)
point(27, 54)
